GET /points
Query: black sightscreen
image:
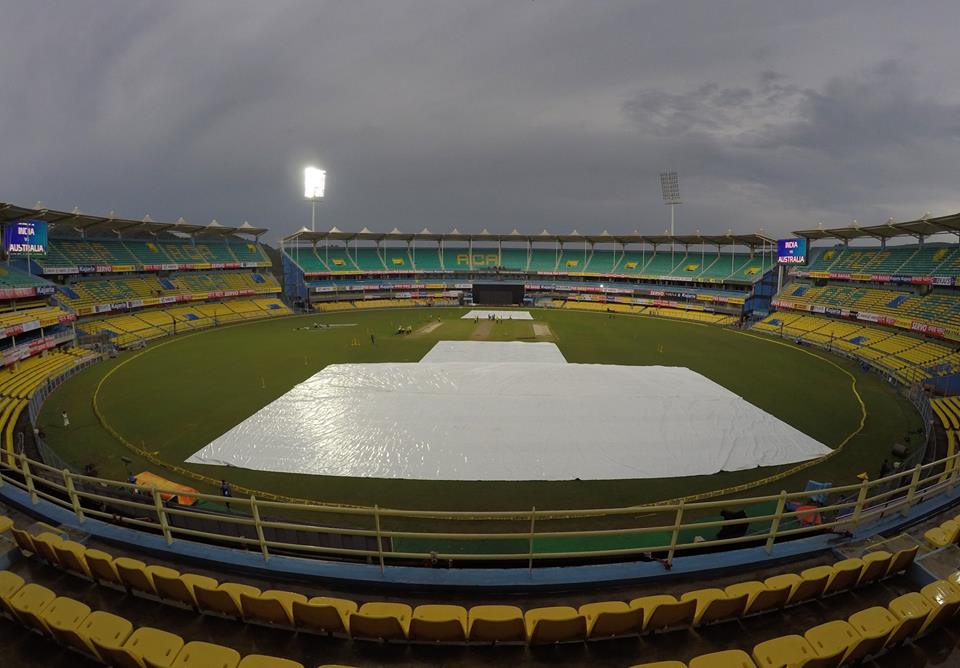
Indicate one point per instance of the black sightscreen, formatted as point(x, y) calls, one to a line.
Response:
point(497, 295)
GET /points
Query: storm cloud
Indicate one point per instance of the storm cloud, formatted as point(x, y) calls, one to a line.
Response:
point(494, 114)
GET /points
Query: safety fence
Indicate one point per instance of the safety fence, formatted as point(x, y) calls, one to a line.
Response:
point(482, 539)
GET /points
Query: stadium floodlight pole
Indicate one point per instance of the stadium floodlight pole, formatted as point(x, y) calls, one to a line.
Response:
point(314, 185)
point(670, 190)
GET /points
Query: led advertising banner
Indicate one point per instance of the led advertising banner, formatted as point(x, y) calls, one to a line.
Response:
point(792, 251)
point(25, 237)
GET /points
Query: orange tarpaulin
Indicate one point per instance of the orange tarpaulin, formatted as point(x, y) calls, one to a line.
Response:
point(148, 479)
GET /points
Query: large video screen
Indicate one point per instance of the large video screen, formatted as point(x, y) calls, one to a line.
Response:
point(25, 237)
point(792, 251)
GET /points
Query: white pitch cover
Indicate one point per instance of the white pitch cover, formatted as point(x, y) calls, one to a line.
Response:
point(509, 421)
point(502, 315)
point(494, 352)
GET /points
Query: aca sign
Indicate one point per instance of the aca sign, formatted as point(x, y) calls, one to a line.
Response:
point(25, 237)
point(792, 251)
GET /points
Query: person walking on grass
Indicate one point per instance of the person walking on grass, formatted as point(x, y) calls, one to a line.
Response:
point(66, 419)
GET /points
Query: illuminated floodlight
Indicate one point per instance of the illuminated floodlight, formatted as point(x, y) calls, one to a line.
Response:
point(314, 183)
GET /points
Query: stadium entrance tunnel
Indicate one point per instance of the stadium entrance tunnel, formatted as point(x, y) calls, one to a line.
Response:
point(498, 295)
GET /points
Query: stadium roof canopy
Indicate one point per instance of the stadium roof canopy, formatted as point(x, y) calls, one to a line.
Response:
point(749, 240)
point(74, 222)
point(923, 227)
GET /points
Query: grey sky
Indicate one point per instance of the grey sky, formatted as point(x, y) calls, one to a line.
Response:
point(497, 114)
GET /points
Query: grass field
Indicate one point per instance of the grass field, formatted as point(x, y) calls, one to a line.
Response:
point(180, 394)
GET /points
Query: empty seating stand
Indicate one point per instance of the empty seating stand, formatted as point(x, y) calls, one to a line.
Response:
point(399, 622)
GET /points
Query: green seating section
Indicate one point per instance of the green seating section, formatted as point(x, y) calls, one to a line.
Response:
point(116, 252)
point(246, 251)
point(514, 258)
point(545, 259)
point(11, 277)
point(424, 259)
point(367, 259)
point(337, 259)
point(707, 266)
point(912, 260)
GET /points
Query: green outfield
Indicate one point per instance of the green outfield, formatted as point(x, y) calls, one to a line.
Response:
point(178, 395)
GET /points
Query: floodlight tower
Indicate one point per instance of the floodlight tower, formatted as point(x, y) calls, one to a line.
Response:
point(670, 189)
point(314, 184)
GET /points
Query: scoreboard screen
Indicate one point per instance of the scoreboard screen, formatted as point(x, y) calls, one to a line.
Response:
point(25, 237)
point(792, 251)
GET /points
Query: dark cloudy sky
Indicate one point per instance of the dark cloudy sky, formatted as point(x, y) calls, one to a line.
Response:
point(497, 114)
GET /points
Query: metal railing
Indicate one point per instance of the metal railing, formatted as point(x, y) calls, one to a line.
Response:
point(378, 535)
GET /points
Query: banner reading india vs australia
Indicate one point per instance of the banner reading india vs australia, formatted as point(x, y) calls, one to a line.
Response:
point(25, 237)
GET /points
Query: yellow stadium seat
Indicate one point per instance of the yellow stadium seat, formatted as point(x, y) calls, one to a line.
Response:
point(761, 597)
point(28, 602)
point(813, 582)
point(180, 588)
point(198, 654)
point(874, 625)
point(661, 664)
point(788, 581)
point(24, 540)
point(496, 623)
point(262, 661)
point(845, 575)
point(439, 623)
point(834, 639)
point(133, 574)
point(944, 597)
point(101, 627)
point(791, 650)
point(145, 646)
point(553, 624)
point(901, 560)
point(62, 616)
point(5, 524)
point(875, 566)
point(663, 611)
point(70, 554)
point(102, 568)
point(911, 610)
point(44, 543)
point(731, 658)
point(943, 535)
point(381, 621)
point(714, 605)
point(323, 614)
point(225, 599)
point(608, 619)
point(10, 584)
point(270, 607)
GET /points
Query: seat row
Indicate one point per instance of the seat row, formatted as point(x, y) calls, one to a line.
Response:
point(947, 533)
point(112, 639)
point(863, 634)
point(454, 623)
